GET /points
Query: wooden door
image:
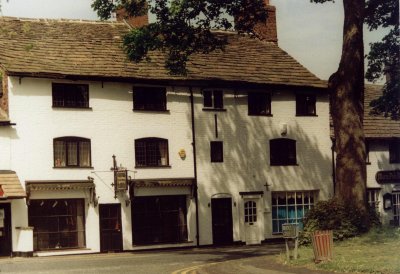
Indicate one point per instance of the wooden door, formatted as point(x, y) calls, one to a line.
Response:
point(222, 221)
point(110, 228)
point(5, 230)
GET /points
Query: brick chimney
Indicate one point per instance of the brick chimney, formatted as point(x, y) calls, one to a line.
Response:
point(267, 30)
point(135, 22)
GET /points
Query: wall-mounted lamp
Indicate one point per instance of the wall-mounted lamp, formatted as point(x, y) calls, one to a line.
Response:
point(284, 129)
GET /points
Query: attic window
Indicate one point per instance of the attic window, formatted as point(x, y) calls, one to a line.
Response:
point(70, 95)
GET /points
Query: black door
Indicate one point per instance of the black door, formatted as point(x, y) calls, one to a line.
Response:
point(110, 228)
point(222, 221)
point(5, 230)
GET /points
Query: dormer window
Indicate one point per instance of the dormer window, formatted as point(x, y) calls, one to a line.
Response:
point(70, 95)
point(150, 98)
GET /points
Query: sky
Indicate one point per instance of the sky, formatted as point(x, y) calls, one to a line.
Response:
point(311, 33)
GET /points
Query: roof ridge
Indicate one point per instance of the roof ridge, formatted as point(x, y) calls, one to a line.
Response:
point(59, 20)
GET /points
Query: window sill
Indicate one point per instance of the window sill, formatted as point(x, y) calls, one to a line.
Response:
point(147, 167)
point(264, 115)
point(306, 115)
point(72, 108)
point(152, 110)
point(73, 167)
point(216, 162)
point(214, 109)
point(284, 164)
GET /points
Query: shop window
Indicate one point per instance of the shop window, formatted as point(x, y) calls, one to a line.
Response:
point(394, 151)
point(150, 98)
point(216, 151)
point(373, 198)
point(259, 103)
point(72, 152)
point(213, 99)
point(305, 105)
point(151, 152)
point(282, 152)
point(159, 219)
point(70, 95)
point(290, 207)
point(58, 224)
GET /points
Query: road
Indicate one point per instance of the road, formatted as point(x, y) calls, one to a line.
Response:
point(234, 259)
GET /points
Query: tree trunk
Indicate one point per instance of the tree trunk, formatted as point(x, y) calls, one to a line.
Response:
point(347, 99)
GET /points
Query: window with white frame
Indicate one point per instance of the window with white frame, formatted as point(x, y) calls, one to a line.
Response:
point(291, 207)
point(373, 198)
point(250, 212)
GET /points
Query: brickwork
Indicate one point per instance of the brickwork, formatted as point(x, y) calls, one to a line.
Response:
point(135, 22)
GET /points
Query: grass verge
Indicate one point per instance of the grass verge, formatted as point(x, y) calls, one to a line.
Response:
point(378, 251)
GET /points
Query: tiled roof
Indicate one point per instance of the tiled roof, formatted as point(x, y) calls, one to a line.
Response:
point(377, 126)
point(38, 47)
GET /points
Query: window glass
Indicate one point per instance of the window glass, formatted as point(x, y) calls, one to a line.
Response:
point(151, 152)
point(216, 151)
point(259, 103)
point(213, 99)
point(290, 207)
point(150, 98)
point(72, 152)
point(305, 104)
point(58, 223)
point(282, 152)
point(159, 219)
point(250, 212)
point(70, 95)
point(373, 198)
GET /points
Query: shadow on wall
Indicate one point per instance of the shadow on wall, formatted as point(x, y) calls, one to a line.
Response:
point(246, 165)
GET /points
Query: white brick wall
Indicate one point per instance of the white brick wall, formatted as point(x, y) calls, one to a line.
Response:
point(112, 127)
point(246, 155)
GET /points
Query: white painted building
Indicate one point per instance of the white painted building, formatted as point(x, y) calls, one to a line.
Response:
point(245, 136)
point(383, 162)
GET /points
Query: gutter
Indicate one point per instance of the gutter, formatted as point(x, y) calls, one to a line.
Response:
point(333, 167)
point(195, 166)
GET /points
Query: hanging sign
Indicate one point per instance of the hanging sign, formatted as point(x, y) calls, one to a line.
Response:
point(121, 180)
point(388, 177)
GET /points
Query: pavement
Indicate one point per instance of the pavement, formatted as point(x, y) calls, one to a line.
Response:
point(208, 260)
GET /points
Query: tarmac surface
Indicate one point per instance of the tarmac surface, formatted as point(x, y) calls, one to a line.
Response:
point(209, 260)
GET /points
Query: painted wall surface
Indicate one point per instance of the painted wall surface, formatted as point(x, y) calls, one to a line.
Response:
point(246, 165)
point(379, 161)
point(112, 126)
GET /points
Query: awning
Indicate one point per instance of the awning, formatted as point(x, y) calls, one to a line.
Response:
point(10, 186)
point(59, 185)
point(163, 182)
point(62, 186)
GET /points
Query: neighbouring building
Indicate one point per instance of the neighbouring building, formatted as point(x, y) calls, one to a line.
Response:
point(101, 154)
point(383, 161)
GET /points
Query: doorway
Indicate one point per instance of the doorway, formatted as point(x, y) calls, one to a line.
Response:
point(251, 222)
point(222, 229)
point(5, 230)
point(110, 228)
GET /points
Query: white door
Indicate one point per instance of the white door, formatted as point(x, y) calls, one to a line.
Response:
point(251, 222)
point(396, 209)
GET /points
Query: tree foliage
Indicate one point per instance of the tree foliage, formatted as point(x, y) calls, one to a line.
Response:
point(182, 27)
point(384, 56)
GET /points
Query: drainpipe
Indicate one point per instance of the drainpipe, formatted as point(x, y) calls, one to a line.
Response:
point(333, 167)
point(195, 167)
